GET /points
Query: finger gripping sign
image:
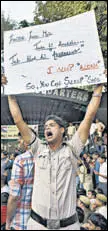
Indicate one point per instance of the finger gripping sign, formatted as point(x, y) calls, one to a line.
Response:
point(56, 55)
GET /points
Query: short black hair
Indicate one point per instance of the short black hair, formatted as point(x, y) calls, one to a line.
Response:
point(81, 191)
point(58, 120)
point(102, 156)
point(80, 213)
point(82, 228)
point(93, 192)
point(99, 190)
point(5, 153)
point(98, 220)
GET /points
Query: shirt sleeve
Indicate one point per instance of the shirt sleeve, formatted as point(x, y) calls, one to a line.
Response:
point(17, 178)
point(105, 169)
point(76, 144)
point(35, 145)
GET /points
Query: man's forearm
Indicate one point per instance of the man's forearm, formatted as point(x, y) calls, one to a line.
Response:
point(14, 109)
point(102, 176)
point(94, 103)
point(25, 131)
point(11, 207)
point(92, 108)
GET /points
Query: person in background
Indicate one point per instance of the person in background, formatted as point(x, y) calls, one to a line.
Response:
point(20, 186)
point(71, 130)
point(95, 222)
point(91, 194)
point(93, 131)
point(102, 173)
point(81, 192)
point(3, 80)
point(104, 136)
point(100, 127)
point(54, 163)
point(80, 213)
point(86, 173)
point(84, 203)
point(4, 161)
point(22, 145)
point(96, 168)
point(4, 200)
point(9, 165)
point(101, 204)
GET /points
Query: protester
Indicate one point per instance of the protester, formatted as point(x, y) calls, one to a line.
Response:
point(20, 186)
point(84, 203)
point(81, 192)
point(9, 165)
point(93, 131)
point(85, 173)
point(56, 166)
point(100, 205)
point(80, 213)
point(100, 127)
point(3, 80)
point(4, 161)
point(102, 209)
point(92, 196)
point(71, 131)
point(95, 222)
point(4, 200)
point(96, 168)
point(102, 174)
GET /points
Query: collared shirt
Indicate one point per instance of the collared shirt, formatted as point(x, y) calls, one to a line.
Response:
point(97, 167)
point(103, 171)
point(102, 210)
point(71, 130)
point(54, 189)
point(21, 185)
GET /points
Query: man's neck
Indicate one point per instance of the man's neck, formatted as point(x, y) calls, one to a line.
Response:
point(54, 147)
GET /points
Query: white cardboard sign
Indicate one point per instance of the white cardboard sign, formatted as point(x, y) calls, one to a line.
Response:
point(61, 54)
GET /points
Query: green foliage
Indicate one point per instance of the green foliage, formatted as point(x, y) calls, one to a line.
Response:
point(6, 24)
point(55, 10)
point(23, 24)
point(51, 11)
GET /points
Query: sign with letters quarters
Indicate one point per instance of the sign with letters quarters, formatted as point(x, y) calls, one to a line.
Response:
point(57, 55)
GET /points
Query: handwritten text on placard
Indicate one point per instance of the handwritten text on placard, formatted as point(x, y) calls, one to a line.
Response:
point(54, 55)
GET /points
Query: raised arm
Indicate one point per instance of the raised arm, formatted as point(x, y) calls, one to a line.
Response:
point(25, 131)
point(92, 108)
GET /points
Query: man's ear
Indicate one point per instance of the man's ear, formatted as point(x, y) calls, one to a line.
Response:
point(62, 130)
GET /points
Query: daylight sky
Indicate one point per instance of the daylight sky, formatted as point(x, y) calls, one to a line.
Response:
point(19, 10)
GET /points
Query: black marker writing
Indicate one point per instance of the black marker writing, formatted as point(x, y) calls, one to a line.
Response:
point(44, 34)
point(68, 82)
point(13, 39)
point(67, 53)
point(40, 47)
point(70, 43)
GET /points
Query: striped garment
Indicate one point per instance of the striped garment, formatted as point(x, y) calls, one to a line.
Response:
point(21, 185)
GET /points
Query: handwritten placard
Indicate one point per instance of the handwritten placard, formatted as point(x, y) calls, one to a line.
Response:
point(56, 55)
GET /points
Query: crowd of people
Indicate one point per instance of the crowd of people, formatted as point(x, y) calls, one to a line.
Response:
point(60, 184)
point(91, 177)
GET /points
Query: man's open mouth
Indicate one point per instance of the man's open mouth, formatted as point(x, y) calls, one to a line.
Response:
point(49, 134)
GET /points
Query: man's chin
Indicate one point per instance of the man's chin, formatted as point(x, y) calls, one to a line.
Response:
point(50, 140)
